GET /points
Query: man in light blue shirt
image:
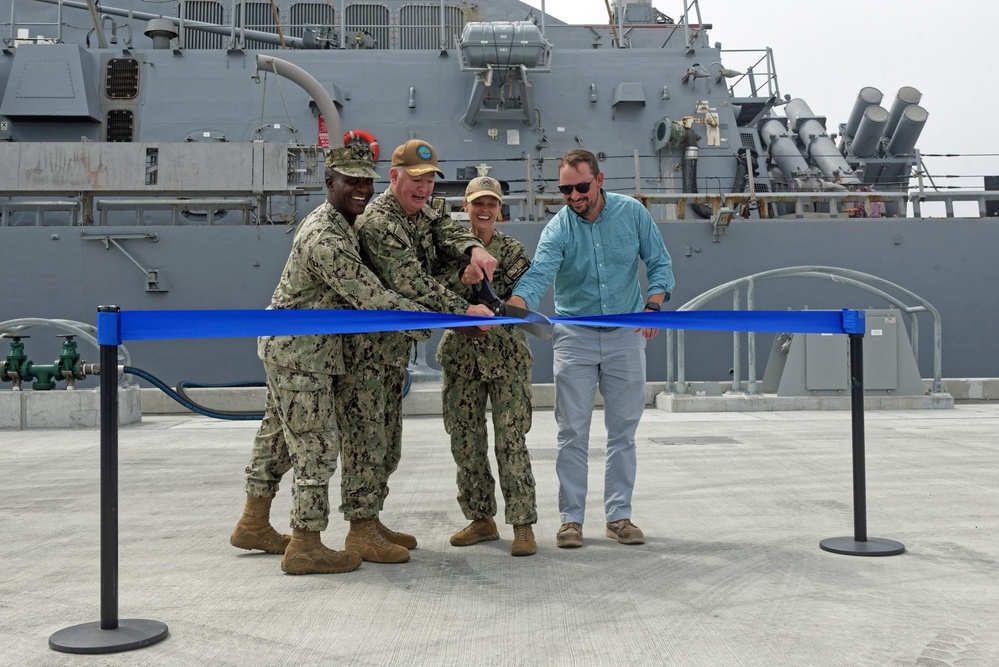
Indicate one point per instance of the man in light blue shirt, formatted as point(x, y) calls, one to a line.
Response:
point(590, 252)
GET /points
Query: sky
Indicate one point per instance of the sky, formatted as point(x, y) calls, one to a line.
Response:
point(826, 51)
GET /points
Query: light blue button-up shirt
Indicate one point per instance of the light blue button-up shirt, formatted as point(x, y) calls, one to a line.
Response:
point(594, 265)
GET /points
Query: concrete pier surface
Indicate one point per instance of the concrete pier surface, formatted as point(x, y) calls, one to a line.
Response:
point(733, 505)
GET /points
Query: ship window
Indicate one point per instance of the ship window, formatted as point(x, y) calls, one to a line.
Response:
point(367, 26)
point(152, 165)
point(120, 124)
point(122, 80)
point(420, 27)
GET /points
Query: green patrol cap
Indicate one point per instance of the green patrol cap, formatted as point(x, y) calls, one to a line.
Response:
point(352, 160)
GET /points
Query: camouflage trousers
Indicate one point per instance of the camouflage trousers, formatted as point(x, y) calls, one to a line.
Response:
point(464, 402)
point(298, 431)
point(369, 416)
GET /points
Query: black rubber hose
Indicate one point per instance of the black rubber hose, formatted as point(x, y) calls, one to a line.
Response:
point(184, 384)
point(689, 172)
point(741, 172)
point(232, 415)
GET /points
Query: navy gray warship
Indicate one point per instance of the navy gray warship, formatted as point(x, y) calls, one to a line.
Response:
point(158, 155)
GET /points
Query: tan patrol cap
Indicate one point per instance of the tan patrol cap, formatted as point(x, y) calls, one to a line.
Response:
point(417, 157)
point(482, 186)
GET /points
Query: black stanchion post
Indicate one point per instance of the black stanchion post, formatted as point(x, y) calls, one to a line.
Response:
point(110, 635)
point(859, 544)
point(109, 487)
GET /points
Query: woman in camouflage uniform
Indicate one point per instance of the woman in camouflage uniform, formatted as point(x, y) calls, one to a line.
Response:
point(495, 365)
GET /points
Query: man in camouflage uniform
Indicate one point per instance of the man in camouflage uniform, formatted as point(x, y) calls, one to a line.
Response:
point(324, 271)
point(496, 366)
point(401, 236)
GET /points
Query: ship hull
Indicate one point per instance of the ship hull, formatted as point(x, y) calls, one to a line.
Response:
point(55, 272)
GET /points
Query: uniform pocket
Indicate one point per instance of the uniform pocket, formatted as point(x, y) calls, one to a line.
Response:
point(305, 401)
point(299, 381)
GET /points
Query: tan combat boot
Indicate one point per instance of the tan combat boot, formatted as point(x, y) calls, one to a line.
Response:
point(523, 541)
point(370, 544)
point(254, 530)
point(307, 555)
point(480, 530)
point(395, 537)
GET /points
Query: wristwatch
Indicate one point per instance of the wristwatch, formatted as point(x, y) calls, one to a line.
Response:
point(652, 305)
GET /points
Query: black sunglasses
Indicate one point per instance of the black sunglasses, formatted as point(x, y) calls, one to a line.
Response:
point(581, 188)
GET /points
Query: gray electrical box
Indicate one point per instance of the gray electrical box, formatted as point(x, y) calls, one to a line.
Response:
point(881, 352)
point(819, 364)
point(826, 362)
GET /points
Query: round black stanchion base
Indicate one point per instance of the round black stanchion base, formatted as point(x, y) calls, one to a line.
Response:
point(131, 633)
point(873, 546)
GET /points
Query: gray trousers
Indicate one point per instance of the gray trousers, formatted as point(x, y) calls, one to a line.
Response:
point(585, 359)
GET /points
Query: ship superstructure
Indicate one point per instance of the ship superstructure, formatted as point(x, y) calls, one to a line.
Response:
point(156, 155)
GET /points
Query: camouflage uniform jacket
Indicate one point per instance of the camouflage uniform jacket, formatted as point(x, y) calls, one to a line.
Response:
point(504, 349)
point(324, 271)
point(403, 252)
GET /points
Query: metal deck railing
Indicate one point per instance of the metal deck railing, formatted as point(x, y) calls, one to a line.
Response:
point(664, 207)
point(907, 302)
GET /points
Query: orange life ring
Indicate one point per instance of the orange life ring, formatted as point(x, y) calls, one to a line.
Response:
point(366, 137)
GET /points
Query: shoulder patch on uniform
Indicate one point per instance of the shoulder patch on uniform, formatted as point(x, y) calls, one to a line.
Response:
point(517, 269)
point(439, 206)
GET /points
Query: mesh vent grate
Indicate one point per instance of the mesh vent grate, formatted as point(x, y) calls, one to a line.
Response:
point(256, 16)
point(122, 80)
point(366, 18)
point(206, 11)
point(420, 27)
point(310, 14)
point(120, 125)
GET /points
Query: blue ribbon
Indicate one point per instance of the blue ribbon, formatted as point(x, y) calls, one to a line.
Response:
point(115, 327)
